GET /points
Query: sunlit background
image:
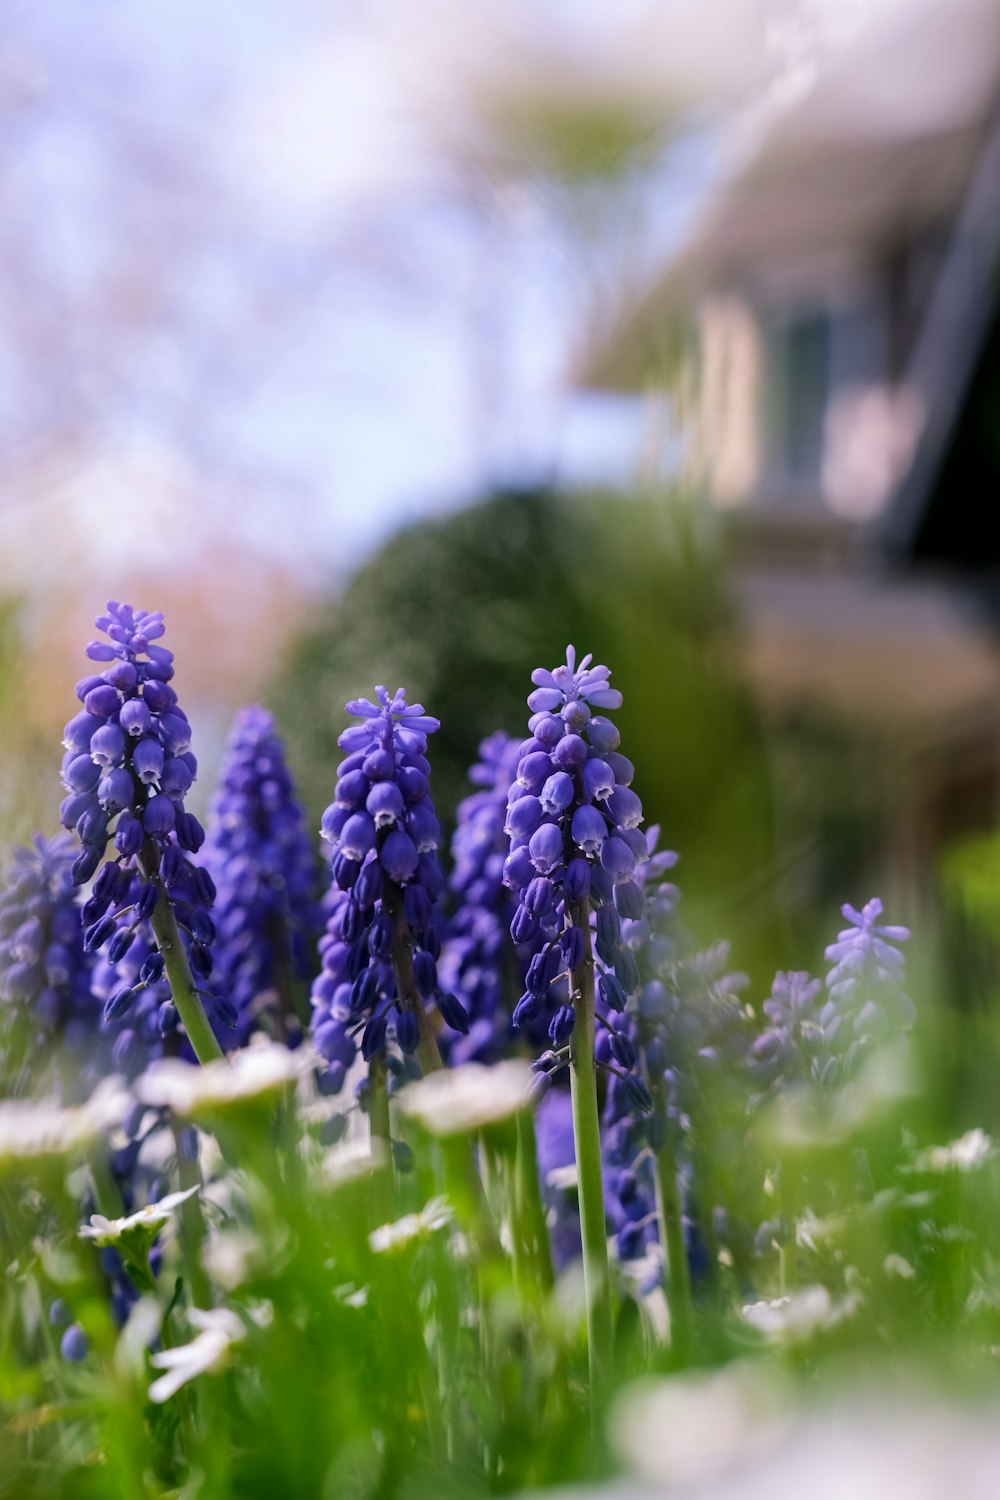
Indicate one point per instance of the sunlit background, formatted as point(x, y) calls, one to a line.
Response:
point(694, 304)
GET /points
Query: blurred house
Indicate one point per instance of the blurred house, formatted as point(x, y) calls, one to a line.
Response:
point(842, 392)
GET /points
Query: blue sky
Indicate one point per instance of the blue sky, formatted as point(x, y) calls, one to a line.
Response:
point(241, 271)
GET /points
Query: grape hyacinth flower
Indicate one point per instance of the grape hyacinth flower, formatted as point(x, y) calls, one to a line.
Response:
point(479, 961)
point(45, 975)
point(792, 1046)
point(866, 999)
point(261, 859)
point(575, 843)
point(127, 769)
point(382, 943)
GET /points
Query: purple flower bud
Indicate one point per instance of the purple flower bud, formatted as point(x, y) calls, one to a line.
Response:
point(72, 808)
point(333, 822)
point(523, 817)
point(364, 991)
point(603, 735)
point(557, 793)
point(158, 696)
point(416, 907)
point(533, 770)
point(352, 922)
point(623, 768)
point(523, 925)
point(352, 790)
point(379, 764)
point(538, 1087)
point(539, 896)
point(625, 807)
point(120, 944)
point(368, 885)
point(576, 881)
point(629, 900)
point(611, 992)
point(119, 1003)
point(177, 777)
point(358, 836)
point(548, 730)
point(201, 961)
point(159, 814)
point(82, 775)
point(425, 973)
point(413, 784)
point(453, 1013)
point(542, 969)
point(638, 1093)
point(102, 701)
point(561, 1025)
point(385, 803)
point(570, 752)
point(407, 1032)
point(617, 859)
point(374, 1038)
point(627, 971)
point(589, 829)
point(573, 943)
point(146, 901)
point(79, 732)
point(152, 969)
point(430, 877)
point(527, 1009)
point(423, 827)
point(116, 791)
point(545, 700)
point(622, 1049)
point(398, 856)
point(172, 865)
point(546, 848)
point(379, 936)
point(128, 835)
point(100, 651)
point(190, 834)
point(135, 717)
point(147, 760)
point(518, 869)
point(175, 733)
point(74, 1345)
point(598, 778)
point(92, 826)
point(107, 747)
point(123, 676)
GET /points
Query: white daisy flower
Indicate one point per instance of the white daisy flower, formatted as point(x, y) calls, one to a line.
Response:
point(253, 1073)
point(458, 1101)
point(207, 1353)
point(797, 1318)
point(145, 1221)
point(37, 1132)
point(434, 1215)
point(970, 1151)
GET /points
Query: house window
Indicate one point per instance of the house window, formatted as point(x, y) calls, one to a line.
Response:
point(815, 356)
point(796, 394)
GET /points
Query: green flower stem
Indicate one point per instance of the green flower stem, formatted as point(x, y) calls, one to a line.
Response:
point(531, 1233)
point(678, 1274)
point(587, 1138)
point(289, 1014)
point(407, 993)
point(378, 1101)
point(179, 976)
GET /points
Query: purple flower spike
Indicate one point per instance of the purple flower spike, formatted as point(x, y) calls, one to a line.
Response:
point(383, 833)
point(259, 852)
point(130, 774)
point(574, 841)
